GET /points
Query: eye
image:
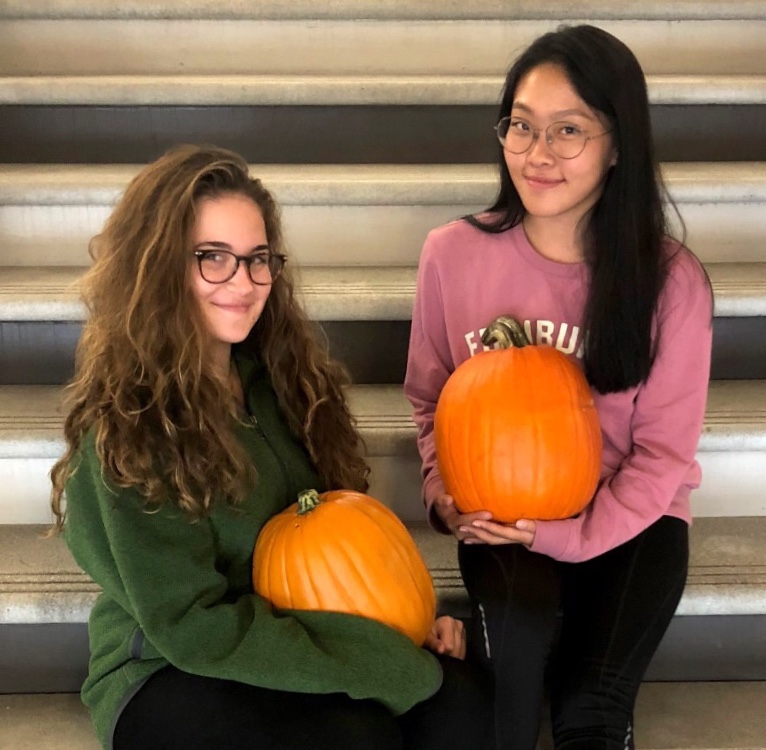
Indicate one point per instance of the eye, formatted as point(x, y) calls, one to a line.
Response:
point(566, 130)
point(214, 257)
point(518, 127)
point(259, 259)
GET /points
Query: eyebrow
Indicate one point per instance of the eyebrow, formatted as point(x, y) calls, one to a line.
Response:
point(562, 113)
point(226, 246)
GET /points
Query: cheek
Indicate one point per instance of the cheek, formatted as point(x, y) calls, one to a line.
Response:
point(198, 288)
point(515, 164)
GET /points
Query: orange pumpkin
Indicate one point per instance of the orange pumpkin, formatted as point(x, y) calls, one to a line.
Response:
point(517, 431)
point(343, 551)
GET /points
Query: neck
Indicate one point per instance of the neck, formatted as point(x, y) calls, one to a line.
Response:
point(221, 360)
point(556, 239)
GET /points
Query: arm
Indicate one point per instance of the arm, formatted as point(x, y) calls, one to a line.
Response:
point(429, 365)
point(163, 571)
point(665, 425)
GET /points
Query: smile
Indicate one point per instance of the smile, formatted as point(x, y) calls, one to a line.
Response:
point(233, 308)
point(542, 183)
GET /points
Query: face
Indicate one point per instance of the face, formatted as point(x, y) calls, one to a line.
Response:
point(550, 187)
point(231, 309)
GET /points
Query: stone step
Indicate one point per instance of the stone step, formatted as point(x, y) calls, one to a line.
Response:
point(41, 584)
point(447, 10)
point(718, 633)
point(346, 49)
point(669, 716)
point(334, 293)
point(732, 449)
point(326, 90)
point(380, 213)
point(401, 39)
point(40, 352)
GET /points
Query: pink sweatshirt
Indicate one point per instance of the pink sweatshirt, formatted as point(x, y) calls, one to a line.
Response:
point(467, 278)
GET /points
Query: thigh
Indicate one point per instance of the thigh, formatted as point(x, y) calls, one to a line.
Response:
point(175, 710)
point(458, 717)
point(515, 599)
point(616, 609)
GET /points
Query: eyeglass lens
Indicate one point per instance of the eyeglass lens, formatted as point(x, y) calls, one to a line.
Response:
point(564, 139)
point(217, 266)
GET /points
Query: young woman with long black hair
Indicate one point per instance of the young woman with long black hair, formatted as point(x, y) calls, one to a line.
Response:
point(577, 247)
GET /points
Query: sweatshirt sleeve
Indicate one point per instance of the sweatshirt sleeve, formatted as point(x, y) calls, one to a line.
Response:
point(162, 569)
point(666, 424)
point(429, 365)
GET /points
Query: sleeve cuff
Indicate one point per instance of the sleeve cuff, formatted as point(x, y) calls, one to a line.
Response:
point(432, 488)
point(552, 538)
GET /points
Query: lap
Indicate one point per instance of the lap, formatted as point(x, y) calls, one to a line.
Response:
point(175, 709)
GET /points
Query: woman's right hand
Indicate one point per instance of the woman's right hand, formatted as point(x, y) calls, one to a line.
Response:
point(445, 509)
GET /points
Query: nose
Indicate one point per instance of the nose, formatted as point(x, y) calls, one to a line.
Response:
point(540, 150)
point(241, 275)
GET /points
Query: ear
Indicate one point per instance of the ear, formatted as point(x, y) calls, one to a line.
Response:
point(614, 159)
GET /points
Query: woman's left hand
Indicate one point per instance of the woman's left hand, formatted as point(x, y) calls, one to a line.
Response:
point(492, 532)
point(447, 637)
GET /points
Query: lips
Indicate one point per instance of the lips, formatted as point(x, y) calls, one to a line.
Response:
point(541, 182)
point(233, 308)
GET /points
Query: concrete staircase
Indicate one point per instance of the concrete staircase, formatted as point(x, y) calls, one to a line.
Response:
point(371, 122)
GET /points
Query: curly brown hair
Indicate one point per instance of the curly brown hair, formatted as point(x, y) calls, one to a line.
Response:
point(161, 418)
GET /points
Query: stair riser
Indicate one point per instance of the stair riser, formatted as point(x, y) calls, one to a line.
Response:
point(364, 235)
point(413, 134)
point(733, 486)
point(204, 47)
point(52, 658)
point(374, 351)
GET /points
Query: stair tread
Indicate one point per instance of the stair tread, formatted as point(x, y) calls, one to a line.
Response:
point(50, 212)
point(41, 583)
point(397, 10)
point(31, 419)
point(669, 716)
point(363, 184)
point(51, 293)
point(352, 89)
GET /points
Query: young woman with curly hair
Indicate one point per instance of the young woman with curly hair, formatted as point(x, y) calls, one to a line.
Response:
point(201, 405)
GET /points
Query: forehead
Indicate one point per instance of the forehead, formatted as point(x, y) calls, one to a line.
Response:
point(227, 215)
point(545, 90)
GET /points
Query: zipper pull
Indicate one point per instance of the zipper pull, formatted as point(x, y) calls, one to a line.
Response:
point(254, 424)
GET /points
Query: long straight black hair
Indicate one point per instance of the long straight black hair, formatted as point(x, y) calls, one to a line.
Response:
point(625, 230)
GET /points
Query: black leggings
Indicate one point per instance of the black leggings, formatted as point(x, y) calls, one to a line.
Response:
point(175, 710)
point(592, 627)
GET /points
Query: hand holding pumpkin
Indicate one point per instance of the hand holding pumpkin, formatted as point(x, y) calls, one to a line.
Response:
point(447, 637)
point(492, 532)
point(459, 524)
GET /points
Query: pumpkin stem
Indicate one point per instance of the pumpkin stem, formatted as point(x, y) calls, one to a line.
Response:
point(506, 332)
point(307, 501)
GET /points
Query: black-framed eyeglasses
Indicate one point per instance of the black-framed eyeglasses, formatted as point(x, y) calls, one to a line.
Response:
point(564, 139)
point(218, 266)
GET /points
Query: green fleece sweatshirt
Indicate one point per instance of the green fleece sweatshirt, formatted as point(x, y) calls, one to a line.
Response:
point(180, 593)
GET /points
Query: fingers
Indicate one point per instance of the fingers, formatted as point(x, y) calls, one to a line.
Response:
point(459, 524)
point(490, 532)
point(447, 637)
